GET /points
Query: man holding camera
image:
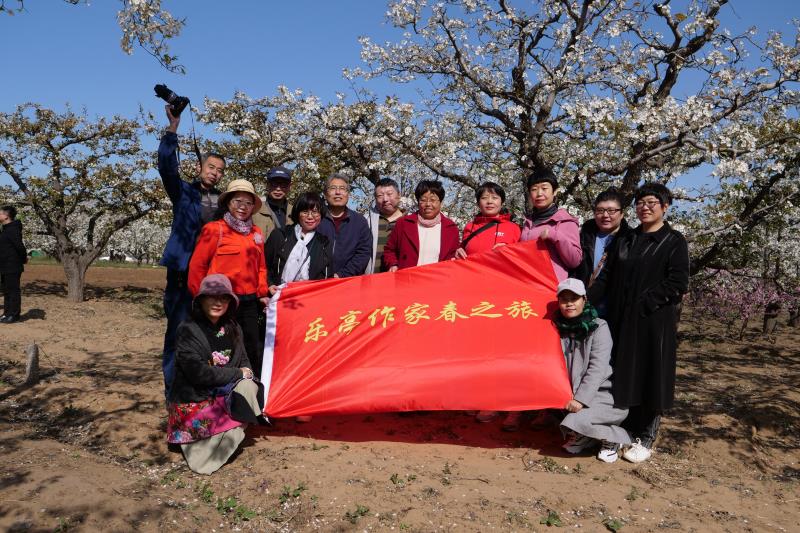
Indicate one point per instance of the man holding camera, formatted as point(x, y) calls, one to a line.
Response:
point(193, 205)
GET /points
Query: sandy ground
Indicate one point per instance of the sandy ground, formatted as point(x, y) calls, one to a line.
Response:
point(84, 450)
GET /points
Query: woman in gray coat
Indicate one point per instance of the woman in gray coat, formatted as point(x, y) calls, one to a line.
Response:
point(586, 341)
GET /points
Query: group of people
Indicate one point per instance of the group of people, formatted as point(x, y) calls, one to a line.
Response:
point(228, 252)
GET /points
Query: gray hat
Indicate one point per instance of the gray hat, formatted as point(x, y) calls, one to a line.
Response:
point(217, 285)
point(280, 173)
point(572, 285)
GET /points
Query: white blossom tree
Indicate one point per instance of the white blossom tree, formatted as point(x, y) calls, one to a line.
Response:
point(85, 180)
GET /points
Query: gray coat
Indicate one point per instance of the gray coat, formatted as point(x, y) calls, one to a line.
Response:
point(589, 368)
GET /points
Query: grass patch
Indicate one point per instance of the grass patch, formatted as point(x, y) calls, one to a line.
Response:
point(353, 516)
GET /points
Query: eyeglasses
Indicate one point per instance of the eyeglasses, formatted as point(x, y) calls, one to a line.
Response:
point(650, 205)
point(609, 211)
point(312, 213)
point(280, 184)
point(242, 203)
point(334, 188)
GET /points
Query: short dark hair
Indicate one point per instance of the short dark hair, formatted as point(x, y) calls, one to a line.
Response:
point(10, 210)
point(306, 202)
point(204, 157)
point(611, 194)
point(434, 186)
point(490, 186)
point(542, 175)
point(654, 189)
point(387, 182)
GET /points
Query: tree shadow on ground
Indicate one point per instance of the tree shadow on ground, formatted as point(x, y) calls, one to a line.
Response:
point(741, 392)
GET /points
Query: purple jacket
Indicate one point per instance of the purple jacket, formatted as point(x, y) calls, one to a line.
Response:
point(564, 241)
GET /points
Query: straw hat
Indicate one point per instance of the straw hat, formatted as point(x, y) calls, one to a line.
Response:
point(240, 186)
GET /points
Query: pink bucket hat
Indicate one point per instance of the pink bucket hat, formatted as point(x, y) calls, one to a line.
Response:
point(217, 285)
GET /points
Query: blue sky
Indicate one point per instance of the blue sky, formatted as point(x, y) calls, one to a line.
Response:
point(55, 53)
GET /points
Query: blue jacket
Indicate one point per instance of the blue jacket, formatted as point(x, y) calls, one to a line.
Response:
point(185, 198)
point(352, 246)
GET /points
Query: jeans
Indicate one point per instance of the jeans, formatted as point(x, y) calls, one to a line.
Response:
point(12, 294)
point(177, 305)
point(643, 423)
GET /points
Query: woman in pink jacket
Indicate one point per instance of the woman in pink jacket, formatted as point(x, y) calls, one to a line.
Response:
point(560, 232)
point(557, 228)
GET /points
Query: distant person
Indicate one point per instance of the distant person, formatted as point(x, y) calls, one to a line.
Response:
point(382, 218)
point(586, 340)
point(13, 257)
point(213, 392)
point(558, 230)
point(346, 229)
point(490, 229)
point(424, 237)
point(643, 283)
point(233, 246)
point(276, 211)
point(298, 252)
point(598, 235)
point(193, 204)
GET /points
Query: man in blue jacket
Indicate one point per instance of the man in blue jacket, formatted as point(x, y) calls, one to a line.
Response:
point(346, 229)
point(193, 204)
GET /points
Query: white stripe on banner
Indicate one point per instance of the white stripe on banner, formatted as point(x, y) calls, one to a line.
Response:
point(269, 342)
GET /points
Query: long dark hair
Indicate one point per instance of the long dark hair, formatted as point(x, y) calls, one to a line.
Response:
point(227, 321)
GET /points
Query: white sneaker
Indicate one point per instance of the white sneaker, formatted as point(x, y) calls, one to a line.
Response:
point(609, 452)
point(578, 443)
point(637, 452)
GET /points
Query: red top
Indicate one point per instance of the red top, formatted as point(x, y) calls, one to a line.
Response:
point(506, 232)
point(221, 250)
point(402, 248)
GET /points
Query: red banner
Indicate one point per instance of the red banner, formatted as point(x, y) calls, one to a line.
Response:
point(456, 335)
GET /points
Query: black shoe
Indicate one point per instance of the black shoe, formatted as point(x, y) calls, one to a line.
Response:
point(10, 319)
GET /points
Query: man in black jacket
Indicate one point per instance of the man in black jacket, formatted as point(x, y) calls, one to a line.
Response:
point(598, 237)
point(12, 259)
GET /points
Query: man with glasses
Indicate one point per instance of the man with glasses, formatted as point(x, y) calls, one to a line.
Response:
point(597, 238)
point(346, 229)
point(193, 205)
point(382, 218)
point(644, 283)
point(276, 210)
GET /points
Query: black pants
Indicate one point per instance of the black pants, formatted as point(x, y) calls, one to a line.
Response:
point(12, 294)
point(643, 423)
point(247, 317)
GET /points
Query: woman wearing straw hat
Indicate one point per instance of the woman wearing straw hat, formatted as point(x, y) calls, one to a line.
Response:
point(233, 246)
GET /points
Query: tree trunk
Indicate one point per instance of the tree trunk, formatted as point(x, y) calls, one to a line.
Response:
point(75, 269)
point(771, 318)
point(794, 317)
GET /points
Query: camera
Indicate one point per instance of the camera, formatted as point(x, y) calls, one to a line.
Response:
point(176, 103)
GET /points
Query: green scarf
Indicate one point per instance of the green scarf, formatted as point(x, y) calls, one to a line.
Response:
point(580, 326)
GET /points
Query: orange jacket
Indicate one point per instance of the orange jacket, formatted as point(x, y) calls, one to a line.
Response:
point(220, 250)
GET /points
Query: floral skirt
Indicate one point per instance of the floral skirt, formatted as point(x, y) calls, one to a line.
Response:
point(191, 422)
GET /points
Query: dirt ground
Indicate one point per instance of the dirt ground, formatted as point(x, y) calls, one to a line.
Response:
point(85, 450)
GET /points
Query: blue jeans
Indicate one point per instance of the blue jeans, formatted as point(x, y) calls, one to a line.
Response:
point(177, 305)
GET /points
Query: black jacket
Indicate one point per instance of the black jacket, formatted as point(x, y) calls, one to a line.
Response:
point(279, 246)
point(643, 283)
point(195, 376)
point(12, 249)
point(588, 238)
